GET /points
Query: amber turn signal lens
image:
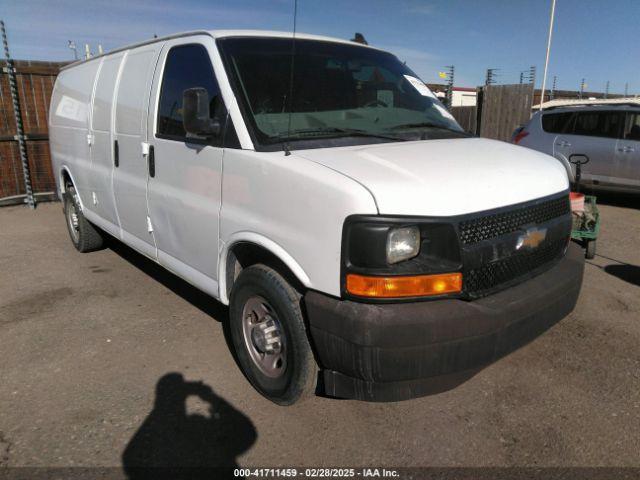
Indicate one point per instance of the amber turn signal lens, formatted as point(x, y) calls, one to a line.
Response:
point(397, 287)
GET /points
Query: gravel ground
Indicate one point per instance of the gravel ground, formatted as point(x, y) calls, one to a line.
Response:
point(101, 355)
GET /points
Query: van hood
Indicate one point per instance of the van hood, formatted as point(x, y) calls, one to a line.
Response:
point(445, 177)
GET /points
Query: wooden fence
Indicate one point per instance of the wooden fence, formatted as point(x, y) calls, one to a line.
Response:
point(500, 109)
point(503, 109)
point(35, 83)
point(466, 117)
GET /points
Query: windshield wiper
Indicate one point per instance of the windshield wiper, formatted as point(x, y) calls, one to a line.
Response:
point(424, 125)
point(352, 132)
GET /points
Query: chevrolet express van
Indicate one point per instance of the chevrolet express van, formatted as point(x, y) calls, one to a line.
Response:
point(366, 246)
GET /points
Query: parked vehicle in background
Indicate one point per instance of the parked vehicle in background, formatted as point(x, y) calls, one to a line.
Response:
point(353, 228)
point(609, 134)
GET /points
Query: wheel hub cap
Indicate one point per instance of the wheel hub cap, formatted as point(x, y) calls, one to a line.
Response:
point(264, 337)
point(72, 218)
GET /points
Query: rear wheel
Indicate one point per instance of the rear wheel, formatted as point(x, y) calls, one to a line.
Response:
point(84, 236)
point(269, 336)
point(591, 249)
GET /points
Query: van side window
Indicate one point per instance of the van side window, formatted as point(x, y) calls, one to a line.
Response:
point(598, 124)
point(187, 66)
point(556, 122)
point(632, 127)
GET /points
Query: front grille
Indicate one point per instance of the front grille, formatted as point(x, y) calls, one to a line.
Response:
point(485, 279)
point(480, 281)
point(491, 226)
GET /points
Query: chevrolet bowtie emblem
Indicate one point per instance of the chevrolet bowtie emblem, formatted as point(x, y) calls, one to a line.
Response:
point(531, 238)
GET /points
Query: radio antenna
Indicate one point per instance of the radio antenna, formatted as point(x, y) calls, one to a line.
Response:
point(285, 146)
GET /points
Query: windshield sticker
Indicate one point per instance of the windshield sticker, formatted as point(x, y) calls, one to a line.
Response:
point(385, 97)
point(444, 112)
point(420, 86)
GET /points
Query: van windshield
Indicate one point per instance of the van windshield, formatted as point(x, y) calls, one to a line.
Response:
point(336, 91)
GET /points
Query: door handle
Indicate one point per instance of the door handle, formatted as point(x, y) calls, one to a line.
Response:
point(563, 143)
point(116, 154)
point(151, 158)
point(626, 149)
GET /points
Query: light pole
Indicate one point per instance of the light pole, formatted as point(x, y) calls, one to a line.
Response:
point(546, 61)
point(72, 46)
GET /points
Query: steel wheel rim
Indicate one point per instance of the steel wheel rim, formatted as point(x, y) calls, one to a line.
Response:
point(264, 337)
point(73, 222)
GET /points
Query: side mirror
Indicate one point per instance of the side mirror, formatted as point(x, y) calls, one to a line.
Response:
point(578, 159)
point(195, 113)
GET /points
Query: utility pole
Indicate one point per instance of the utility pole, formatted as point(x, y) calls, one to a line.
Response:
point(20, 137)
point(450, 72)
point(546, 61)
point(491, 76)
point(606, 90)
point(72, 46)
point(582, 85)
point(626, 89)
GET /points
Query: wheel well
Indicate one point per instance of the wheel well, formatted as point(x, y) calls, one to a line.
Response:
point(245, 254)
point(65, 180)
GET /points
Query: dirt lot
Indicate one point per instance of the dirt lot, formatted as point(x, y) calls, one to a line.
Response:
point(85, 341)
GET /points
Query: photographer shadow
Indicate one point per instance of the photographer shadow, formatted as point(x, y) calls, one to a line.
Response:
point(171, 444)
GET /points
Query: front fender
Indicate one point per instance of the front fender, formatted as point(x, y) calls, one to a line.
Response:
point(567, 166)
point(267, 244)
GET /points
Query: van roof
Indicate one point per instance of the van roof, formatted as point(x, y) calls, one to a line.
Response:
point(221, 34)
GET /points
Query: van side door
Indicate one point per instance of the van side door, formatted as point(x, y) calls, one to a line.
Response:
point(593, 133)
point(185, 188)
point(131, 171)
point(628, 151)
point(102, 154)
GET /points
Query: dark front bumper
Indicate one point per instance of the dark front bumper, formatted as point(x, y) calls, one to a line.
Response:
point(388, 352)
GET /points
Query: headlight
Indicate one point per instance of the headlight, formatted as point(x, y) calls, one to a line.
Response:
point(387, 257)
point(402, 244)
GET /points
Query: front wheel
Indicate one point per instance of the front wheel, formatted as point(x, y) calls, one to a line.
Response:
point(269, 336)
point(85, 237)
point(591, 249)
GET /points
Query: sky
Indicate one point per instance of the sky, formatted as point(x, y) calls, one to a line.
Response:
point(593, 39)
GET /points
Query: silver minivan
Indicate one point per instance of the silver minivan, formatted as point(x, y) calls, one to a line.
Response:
point(608, 134)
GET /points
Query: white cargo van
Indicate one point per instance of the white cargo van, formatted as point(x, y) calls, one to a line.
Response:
point(366, 246)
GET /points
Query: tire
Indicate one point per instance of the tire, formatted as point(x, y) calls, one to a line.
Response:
point(273, 351)
point(591, 249)
point(84, 236)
